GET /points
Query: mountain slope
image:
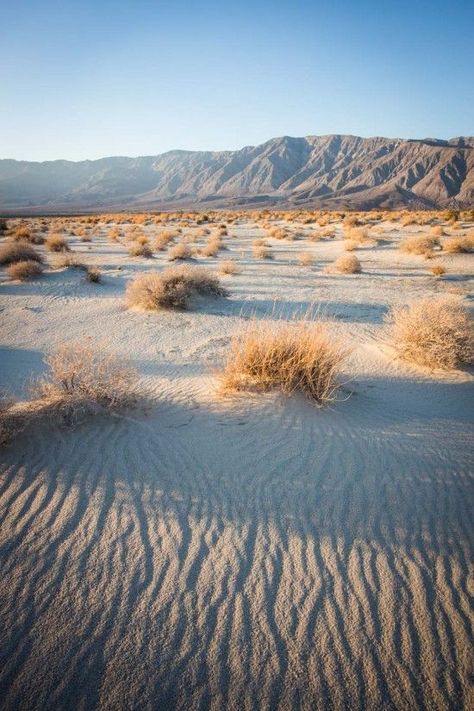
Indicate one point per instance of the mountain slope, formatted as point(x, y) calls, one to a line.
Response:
point(320, 171)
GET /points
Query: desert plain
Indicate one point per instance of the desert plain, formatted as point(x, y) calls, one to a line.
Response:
point(206, 549)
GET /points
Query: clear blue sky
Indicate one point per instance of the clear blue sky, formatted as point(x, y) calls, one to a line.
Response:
point(91, 78)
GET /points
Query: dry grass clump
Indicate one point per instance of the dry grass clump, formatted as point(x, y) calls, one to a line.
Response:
point(438, 270)
point(357, 235)
point(172, 288)
point(68, 261)
point(179, 251)
point(114, 234)
point(138, 249)
point(93, 275)
point(437, 231)
point(436, 333)
point(229, 266)
point(346, 264)
point(305, 259)
point(261, 252)
point(298, 356)
point(23, 233)
point(80, 382)
point(459, 245)
point(81, 379)
point(12, 252)
point(212, 247)
point(56, 243)
point(419, 244)
point(279, 233)
point(25, 270)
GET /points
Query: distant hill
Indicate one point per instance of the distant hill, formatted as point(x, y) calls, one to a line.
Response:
point(316, 171)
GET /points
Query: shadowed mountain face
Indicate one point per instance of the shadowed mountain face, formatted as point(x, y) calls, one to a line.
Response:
point(315, 171)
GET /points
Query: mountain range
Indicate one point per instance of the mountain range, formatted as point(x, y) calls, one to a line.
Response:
point(333, 171)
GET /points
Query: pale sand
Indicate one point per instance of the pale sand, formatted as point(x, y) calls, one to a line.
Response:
point(242, 554)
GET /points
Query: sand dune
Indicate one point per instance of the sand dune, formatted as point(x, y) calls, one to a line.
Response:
point(257, 553)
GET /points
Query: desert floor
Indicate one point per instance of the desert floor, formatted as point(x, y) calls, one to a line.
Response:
point(244, 552)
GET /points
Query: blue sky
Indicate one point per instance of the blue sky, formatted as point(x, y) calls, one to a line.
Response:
point(84, 79)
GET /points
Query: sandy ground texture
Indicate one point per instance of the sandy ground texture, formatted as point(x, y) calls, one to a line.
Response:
point(247, 553)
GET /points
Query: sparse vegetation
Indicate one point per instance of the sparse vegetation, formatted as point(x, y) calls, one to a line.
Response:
point(25, 270)
point(346, 264)
point(299, 356)
point(19, 252)
point(56, 243)
point(80, 382)
point(229, 266)
point(179, 251)
point(436, 333)
point(172, 288)
point(419, 244)
point(305, 259)
point(459, 245)
point(140, 249)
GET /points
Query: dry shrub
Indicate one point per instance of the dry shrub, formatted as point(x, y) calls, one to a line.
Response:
point(23, 233)
point(259, 242)
point(300, 355)
point(278, 233)
point(350, 221)
point(328, 232)
point(346, 264)
point(80, 382)
point(438, 270)
point(56, 243)
point(315, 236)
point(211, 248)
point(172, 288)
point(305, 259)
point(93, 275)
point(229, 266)
point(437, 231)
point(114, 234)
point(261, 252)
point(459, 245)
point(419, 244)
point(179, 251)
point(136, 249)
point(68, 261)
point(356, 234)
point(23, 271)
point(12, 252)
point(350, 245)
point(436, 333)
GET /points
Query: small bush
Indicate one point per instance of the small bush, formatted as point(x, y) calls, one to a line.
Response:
point(436, 333)
point(438, 270)
point(23, 233)
point(93, 275)
point(459, 245)
point(12, 252)
point(229, 266)
point(81, 380)
point(179, 251)
point(305, 259)
point(68, 261)
point(288, 356)
point(56, 243)
point(172, 288)
point(346, 264)
point(437, 231)
point(23, 271)
point(261, 252)
point(136, 249)
point(419, 244)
